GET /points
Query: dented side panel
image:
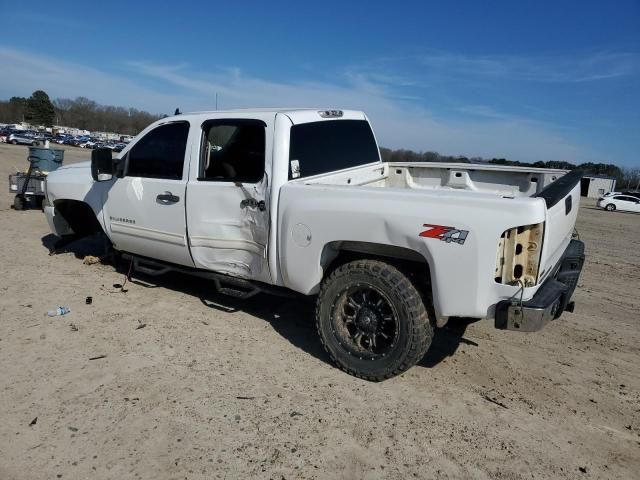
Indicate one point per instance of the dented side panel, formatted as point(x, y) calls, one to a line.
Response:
point(456, 234)
point(227, 229)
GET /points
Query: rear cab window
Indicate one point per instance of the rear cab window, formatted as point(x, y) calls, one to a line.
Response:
point(330, 145)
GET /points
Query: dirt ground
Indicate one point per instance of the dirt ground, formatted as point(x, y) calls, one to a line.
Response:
point(216, 388)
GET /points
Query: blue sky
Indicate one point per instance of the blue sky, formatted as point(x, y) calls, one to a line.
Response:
point(526, 80)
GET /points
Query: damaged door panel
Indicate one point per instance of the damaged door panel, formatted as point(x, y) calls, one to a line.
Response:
point(228, 231)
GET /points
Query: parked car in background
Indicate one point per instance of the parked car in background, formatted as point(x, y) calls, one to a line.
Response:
point(624, 203)
point(630, 194)
point(23, 139)
point(4, 133)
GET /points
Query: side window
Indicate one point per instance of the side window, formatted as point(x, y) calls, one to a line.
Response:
point(160, 153)
point(233, 151)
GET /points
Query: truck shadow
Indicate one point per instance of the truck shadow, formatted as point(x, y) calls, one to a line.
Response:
point(446, 341)
point(293, 318)
point(94, 245)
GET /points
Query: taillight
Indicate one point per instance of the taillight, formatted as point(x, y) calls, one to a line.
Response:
point(518, 255)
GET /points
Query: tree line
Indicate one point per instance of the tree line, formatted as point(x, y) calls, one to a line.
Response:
point(86, 114)
point(81, 113)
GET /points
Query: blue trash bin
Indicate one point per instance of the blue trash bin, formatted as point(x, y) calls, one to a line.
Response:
point(45, 159)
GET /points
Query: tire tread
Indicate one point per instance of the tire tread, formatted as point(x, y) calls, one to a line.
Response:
point(421, 326)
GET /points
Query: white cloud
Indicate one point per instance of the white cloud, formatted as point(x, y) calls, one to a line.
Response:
point(551, 69)
point(23, 72)
point(398, 121)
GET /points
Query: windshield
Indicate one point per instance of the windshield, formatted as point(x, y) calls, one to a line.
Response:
point(321, 147)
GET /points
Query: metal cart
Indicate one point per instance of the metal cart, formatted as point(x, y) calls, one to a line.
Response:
point(29, 186)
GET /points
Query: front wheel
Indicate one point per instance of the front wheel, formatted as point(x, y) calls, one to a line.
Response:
point(372, 320)
point(610, 207)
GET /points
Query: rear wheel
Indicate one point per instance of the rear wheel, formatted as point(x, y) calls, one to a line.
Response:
point(14, 142)
point(610, 207)
point(372, 320)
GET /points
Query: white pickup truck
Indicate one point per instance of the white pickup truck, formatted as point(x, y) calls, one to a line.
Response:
point(265, 200)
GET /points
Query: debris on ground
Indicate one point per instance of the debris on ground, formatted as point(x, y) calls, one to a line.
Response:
point(88, 300)
point(97, 357)
point(33, 422)
point(496, 402)
point(91, 260)
point(142, 325)
point(58, 312)
point(74, 327)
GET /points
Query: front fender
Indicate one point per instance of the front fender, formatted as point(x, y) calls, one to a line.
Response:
point(74, 182)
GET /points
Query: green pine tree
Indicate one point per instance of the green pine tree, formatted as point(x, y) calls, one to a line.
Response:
point(40, 110)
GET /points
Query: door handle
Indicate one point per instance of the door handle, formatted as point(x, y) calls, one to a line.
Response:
point(253, 203)
point(167, 198)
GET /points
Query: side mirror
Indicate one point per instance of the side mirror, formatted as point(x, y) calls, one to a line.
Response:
point(101, 164)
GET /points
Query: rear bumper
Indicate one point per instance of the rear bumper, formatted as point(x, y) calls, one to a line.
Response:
point(550, 301)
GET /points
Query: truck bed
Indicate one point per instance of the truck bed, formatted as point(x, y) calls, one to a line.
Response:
point(393, 201)
point(492, 179)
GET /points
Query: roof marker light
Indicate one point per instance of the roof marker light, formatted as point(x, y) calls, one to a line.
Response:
point(330, 113)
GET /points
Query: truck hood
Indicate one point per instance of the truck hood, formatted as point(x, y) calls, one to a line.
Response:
point(85, 164)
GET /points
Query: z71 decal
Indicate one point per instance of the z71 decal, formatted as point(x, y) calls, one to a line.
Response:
point(444, 233)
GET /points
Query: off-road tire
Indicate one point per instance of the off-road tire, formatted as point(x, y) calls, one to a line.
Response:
point(610, 207)
point(415, 330)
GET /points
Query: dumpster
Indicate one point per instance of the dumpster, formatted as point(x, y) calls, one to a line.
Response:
point(45, 159)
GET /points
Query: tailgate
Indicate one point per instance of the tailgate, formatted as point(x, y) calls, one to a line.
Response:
point(562, 199)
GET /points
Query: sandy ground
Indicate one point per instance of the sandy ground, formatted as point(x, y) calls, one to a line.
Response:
point(215, 388)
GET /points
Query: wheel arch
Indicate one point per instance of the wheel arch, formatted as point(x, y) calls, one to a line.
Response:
point(411, 262)
point(80, 218)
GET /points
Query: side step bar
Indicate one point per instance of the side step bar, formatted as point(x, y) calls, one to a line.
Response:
point(225, 284)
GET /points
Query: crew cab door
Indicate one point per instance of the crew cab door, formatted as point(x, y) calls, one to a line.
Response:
point(145, 210)
point(228, 206)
